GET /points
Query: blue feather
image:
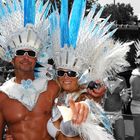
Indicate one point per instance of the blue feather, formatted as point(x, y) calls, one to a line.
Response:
point(15, 5)
point(8, 7)
point(106, 122)
point(91, 14)
point(22, 4)
point(110, 34)
point(55, 6)
point(95, 30)
point(93, 9)
point(101, 116)
point(64, 23)
point(40, 6)
point(2, 11)
point(53, 22)
point(98, 15)
point(107, 28)
point(29, 12)
point(47, 11)
point(105, 21)
point(75, 20)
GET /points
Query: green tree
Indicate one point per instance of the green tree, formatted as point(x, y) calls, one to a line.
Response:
point(121, 13)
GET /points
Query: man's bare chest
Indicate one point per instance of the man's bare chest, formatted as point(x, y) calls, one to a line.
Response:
point(14, 111)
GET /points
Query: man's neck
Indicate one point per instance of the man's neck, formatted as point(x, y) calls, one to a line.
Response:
point(23, 76)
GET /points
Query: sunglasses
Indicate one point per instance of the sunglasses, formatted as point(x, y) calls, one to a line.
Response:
point(69, 73)
point(23, 52)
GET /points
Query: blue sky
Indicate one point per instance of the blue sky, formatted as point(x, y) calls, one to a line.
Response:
point(134, 3)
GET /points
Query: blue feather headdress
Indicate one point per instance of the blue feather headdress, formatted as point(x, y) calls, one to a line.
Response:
point(23, 24)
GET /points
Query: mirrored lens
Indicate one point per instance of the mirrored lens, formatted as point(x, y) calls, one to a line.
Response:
point(29, 53)
point(20, 52)
point(69, 73)
point(60, 73)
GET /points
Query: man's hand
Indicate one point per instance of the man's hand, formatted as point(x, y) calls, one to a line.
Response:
point(79, 112)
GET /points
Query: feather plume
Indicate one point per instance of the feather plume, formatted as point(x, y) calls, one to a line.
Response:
point(29, 11)
point(109, 57)
point(12, 24)
point(92, 131)
point(75, 20)
point(94, 49)
point(64, 23)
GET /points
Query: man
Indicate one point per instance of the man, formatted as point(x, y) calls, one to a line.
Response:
point(114, 100)
point(19, 119)
point(135, 104)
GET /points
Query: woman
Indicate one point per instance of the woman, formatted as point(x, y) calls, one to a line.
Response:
point(78, 45)
point(60, 126)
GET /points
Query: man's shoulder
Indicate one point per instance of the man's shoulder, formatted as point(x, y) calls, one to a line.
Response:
point(3, 96)
point(54, 87)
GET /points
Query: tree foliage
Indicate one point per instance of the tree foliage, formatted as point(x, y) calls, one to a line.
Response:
point(121, 13)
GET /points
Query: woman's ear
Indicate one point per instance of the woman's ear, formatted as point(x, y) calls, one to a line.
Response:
point(12, 62)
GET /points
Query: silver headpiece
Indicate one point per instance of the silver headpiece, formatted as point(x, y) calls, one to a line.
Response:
point(23, 25)
point(83, 44)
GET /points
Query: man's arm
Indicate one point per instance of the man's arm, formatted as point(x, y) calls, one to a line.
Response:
point(2, 121)
point(1, 125)
point(53, 89)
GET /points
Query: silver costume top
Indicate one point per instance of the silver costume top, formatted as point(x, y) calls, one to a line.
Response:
point(87, 130)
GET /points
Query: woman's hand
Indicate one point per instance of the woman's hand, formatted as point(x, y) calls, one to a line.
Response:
point(80, 111)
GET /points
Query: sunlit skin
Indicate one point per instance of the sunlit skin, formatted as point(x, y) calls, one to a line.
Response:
point(114, 103)
point(31, 125)
point(70, 85)
point(24, 67)
point(97, 94)
point(22, 123)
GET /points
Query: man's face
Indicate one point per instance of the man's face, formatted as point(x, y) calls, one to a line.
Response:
point(68, 80)
point(24, 60)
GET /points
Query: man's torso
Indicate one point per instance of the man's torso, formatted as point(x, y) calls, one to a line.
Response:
point(24, 124)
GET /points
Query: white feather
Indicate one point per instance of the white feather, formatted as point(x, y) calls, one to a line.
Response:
point(90, 130)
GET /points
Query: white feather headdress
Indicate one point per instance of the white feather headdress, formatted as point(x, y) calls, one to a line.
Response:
point(108, 58)
point(87, 48)
point(23, 25)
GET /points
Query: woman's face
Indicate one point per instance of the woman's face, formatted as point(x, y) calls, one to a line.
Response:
point(68, 80)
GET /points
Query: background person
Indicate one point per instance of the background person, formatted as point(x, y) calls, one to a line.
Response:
point(113, 104)
point(135, 103)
